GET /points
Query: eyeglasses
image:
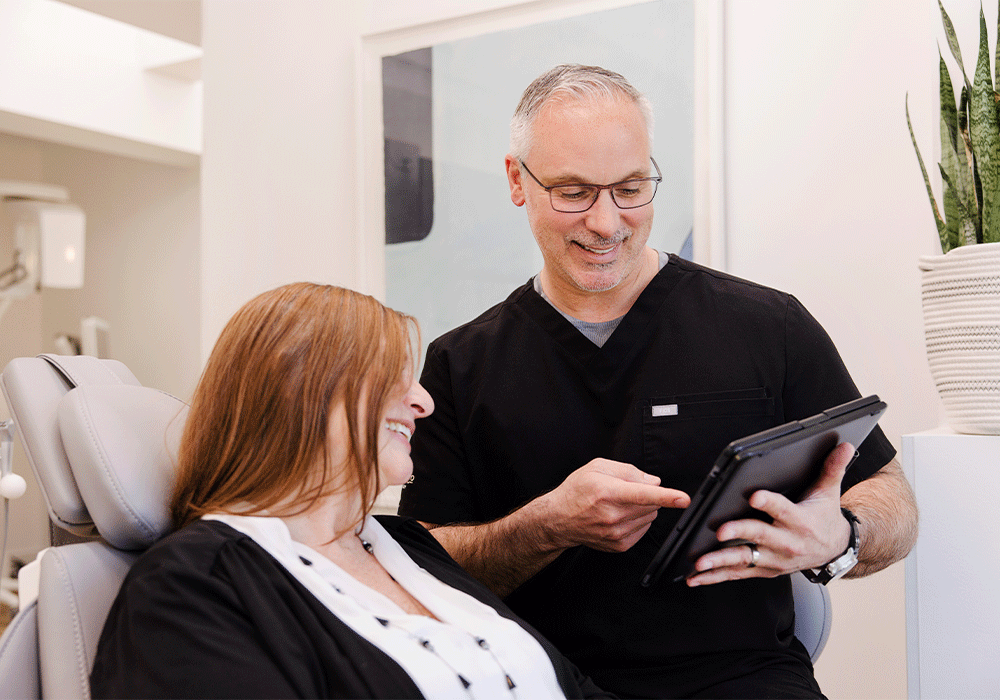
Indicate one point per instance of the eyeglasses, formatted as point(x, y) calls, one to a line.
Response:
point(577, 198)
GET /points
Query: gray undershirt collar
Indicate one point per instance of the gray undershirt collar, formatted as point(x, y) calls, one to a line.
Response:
point(598, 333)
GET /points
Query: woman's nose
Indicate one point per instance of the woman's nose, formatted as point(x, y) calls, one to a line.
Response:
point(420, 401)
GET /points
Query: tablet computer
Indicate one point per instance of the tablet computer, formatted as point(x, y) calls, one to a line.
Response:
point(787, 459)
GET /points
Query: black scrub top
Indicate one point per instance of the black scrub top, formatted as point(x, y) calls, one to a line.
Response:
point(522, 399)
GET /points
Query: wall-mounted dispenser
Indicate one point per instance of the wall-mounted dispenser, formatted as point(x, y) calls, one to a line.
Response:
point(45, 233)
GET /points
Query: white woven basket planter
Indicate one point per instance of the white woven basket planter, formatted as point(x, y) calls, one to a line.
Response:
point(961, 301)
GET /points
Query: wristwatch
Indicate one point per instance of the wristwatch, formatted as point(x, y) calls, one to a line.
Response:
point(842, 564)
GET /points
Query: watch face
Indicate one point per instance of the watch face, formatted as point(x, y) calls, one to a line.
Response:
point(840, 566)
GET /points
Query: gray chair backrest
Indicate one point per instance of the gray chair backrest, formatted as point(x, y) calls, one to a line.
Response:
point(77, 586)
point(107, 447)
point(20, 675)
point(813, 614)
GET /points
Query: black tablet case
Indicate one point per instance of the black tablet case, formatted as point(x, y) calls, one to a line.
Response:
point(787, 459)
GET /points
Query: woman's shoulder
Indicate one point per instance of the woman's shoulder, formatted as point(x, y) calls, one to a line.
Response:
point(192, 549)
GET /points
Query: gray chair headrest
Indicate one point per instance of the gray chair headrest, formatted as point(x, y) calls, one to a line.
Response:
point(33, 387)
point(121, 442)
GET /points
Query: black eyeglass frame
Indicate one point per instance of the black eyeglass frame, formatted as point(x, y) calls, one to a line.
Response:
point(548, 188)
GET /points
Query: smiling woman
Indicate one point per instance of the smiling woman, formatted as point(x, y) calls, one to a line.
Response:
point(326, 360)
point(278, 582)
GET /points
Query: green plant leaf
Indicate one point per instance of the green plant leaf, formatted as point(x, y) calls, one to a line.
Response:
point(952, 216)
point(938, 220)
point(968, 233)
point(959, 217)
point(953, 155)
point(985, 132)
point(963, 131)
point(996, 60)
point(971, 176)
point(949, 31)
point(949, 113)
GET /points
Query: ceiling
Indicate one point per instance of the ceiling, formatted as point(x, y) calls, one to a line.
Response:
point(180, 19)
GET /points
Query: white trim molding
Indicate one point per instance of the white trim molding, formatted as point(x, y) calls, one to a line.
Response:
point(710, 135)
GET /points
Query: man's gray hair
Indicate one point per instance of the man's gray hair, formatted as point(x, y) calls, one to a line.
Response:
point(570, 80)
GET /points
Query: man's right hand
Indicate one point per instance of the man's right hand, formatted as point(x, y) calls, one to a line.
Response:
point(605, 505)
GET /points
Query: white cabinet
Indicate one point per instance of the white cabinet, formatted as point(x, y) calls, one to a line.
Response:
point(953, 574)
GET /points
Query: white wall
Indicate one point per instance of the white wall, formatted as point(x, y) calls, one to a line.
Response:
point(824, 198)
point(278, 170)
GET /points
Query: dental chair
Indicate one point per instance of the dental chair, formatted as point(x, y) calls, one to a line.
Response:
point(813, 614)
point(101, 447)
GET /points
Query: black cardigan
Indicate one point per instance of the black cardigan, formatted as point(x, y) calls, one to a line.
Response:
point(207, 613)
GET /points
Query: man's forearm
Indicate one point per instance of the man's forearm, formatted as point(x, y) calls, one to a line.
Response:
point(887, 511)
point(504, 553)
point(604, 505)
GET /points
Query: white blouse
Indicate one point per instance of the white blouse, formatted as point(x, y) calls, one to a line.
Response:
point(468, 651)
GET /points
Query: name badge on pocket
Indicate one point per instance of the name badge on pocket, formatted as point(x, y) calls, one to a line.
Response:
point(669, 409)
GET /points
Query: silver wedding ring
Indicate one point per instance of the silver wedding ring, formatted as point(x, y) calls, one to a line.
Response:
point(754, 555)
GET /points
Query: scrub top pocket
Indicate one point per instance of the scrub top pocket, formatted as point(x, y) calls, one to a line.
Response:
point(683, 435)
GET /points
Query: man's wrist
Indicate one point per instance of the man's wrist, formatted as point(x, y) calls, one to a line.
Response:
point(843, 563)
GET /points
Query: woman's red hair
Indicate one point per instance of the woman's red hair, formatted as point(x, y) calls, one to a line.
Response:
point(256, 435)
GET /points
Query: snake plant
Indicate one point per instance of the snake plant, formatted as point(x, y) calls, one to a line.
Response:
point(970, 148)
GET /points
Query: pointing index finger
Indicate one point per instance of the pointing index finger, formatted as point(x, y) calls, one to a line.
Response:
point(649, 495)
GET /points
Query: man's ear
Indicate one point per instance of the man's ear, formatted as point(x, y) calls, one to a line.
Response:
point(514, 180)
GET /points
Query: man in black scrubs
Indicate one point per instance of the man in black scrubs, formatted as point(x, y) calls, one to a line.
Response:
point(601, 391)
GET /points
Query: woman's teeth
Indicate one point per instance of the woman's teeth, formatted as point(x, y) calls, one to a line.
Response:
point(400, 428)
